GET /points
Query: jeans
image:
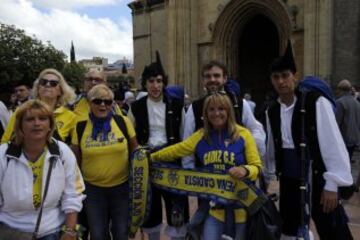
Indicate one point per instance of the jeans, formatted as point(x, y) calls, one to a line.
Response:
point(213, 229)
point(105, 207)
point(53, 236)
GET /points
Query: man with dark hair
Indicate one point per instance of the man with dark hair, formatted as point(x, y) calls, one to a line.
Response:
point(348, 116)
point(22, 90)
point(215, 77)
point(323, 158)
point(157, 119)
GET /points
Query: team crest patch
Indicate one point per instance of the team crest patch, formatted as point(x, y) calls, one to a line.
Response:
point(173, 178)
point(141, 155)
point(243, 194)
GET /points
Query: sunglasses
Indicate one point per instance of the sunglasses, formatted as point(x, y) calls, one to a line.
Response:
point(50, 83)
point(98, 101)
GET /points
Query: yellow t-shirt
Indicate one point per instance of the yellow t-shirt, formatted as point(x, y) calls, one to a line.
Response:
point(65, 121)
point(82, 109)
point(105, 163)
point(188, 147)
point(37, 168)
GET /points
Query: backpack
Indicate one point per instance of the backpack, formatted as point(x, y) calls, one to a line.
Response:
point(175, 92)
point(315, 84)
point(15, 150)
point(119, 120)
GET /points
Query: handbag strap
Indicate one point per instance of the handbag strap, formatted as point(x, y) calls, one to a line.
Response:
point(38, 221)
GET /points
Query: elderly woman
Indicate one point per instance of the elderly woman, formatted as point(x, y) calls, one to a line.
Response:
point(103, 144)
point(38, 174)
point(51, 88)
point(220, 146)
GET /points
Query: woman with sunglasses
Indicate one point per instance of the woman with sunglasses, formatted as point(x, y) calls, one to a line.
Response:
point(221, 146)
point(103, 147)
point(50, 87)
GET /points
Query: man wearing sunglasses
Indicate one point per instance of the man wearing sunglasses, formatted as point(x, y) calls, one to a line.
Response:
point(81, 106)
point(157, 120)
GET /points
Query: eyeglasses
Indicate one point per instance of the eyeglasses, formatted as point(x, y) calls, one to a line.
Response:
point(48, 82)
point(98, 101)
point(94, 79)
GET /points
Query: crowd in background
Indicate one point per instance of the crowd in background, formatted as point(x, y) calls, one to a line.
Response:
point(83, 144)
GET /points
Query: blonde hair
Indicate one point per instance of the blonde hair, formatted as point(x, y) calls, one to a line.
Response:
point(224, 101)
point(29, 105)
point(100, 91)
point(67, 93)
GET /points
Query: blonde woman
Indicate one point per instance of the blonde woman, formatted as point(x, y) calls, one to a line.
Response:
point(24, 168)
point(51, 88)
point(221, 146)
point(103, 149)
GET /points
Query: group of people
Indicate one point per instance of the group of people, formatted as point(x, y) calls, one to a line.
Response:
point(65, 161)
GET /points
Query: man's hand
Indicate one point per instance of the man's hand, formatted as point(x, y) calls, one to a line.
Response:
point(329, 200)
point(238, 172)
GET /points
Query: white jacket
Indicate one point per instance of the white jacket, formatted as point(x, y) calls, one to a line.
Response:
point(16, 189)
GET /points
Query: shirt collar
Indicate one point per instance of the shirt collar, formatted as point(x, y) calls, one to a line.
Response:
point(284, 105)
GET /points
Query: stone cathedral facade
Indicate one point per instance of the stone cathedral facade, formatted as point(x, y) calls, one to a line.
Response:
point(246, 35)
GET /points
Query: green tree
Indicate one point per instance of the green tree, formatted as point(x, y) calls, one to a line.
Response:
point(24, 56)
point(74, 72)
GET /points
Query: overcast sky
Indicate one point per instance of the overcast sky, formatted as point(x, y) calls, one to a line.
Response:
point(97, 27)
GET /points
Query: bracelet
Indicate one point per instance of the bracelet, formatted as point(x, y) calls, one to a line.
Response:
point(69, 231)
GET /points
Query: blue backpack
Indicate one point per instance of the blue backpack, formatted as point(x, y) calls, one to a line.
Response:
point(312, 83)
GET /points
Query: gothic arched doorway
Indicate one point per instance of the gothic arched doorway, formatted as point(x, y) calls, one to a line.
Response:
point(247, 35)
point(258, 46)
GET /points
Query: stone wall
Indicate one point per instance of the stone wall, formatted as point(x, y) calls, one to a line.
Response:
point(346, 59)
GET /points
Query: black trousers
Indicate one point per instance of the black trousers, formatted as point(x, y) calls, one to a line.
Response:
point(172, 201)
point(330, 226)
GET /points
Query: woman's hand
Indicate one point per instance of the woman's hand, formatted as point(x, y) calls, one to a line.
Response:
point(238, 172)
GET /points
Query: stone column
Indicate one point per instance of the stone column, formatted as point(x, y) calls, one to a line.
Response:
point(181, 51)
point(318, 38)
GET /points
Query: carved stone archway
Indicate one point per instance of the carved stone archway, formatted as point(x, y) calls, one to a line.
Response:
point(235, 20)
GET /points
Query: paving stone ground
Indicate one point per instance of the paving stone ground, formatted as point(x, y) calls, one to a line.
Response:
point(352, 206)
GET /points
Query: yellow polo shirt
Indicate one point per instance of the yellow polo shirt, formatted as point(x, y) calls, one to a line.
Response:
point(105, 163)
